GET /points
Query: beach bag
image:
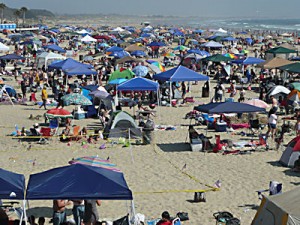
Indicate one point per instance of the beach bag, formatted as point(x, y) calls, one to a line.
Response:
point(223, 216)
point(122, 221)
point(183, 216)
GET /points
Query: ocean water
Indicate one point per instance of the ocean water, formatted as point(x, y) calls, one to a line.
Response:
point(292, 25)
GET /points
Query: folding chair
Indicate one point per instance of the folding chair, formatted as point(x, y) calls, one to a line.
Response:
point(45, 133)
point(75, 135)
point(54, 124)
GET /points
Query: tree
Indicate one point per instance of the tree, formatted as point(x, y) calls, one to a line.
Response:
point(17, 14)
point(23, 10)
point(2, 7)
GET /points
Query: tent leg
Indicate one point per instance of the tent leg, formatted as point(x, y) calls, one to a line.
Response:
point(170, 93)
point(132, 211)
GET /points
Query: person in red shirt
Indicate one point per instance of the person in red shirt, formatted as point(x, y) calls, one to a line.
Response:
point(166, 219)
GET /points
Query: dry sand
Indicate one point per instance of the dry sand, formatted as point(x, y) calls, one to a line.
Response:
point(149, 168)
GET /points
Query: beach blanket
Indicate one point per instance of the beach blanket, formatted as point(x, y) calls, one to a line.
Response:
point(240, 126)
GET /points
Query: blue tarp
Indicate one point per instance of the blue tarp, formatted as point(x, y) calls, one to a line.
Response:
point(180, 73)
point(138, 84)
point(11, 57)
point(80, 70)
point(248, 61)
point(78, 182)
point(67, 64)
point(11, 182)
point(228, 107)
point(54, 48)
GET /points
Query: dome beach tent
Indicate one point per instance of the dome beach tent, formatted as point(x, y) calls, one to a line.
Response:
point(291, 153)
point(281, 209)
point(122, 125)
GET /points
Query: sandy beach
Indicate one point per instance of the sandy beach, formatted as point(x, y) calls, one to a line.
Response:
point(151, 168)
point(165, 166)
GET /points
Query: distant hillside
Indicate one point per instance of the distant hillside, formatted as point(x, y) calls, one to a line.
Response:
point(30, 14)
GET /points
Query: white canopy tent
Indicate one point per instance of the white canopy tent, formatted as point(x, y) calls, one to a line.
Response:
point(3, 47)
point(88, 38)
point(46, 58)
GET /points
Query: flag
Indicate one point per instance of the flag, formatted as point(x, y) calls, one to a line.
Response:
point(218, 184)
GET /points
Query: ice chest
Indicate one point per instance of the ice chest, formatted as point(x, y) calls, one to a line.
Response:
point(79, 116)
point(196, 145)
point(221, 126)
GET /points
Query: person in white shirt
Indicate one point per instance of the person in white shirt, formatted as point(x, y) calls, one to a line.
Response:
point(272, 121)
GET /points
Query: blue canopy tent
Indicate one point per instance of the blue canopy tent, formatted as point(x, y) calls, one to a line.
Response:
point(66, 64)
point(11, 183)
point(80, 70)
point(138, 84)
point(156, 44)
point(114, 49)
point(212, 44)
point(228, 107)
point(54, 47)
point(119, 54)
point(199, 52)
point(13, 56)
point(178, 74)
point(248, 61)
point(78, 182)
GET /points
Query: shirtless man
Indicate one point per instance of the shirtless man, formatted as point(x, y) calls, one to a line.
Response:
point(59, 213)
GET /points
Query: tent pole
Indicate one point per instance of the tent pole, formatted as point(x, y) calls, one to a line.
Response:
point(170, 93)
point(4, 91)
point(132, 211)
point(130, 146)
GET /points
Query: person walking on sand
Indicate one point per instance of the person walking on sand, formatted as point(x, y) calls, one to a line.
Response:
point(78, 211)
point(44, 97)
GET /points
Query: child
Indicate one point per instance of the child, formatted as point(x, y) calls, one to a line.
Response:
point(242, 95)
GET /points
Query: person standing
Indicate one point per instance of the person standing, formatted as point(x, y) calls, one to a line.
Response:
point(183, 89)
point(44, 97)
point(78, 211)
point(272, 121)
point(91, 215)
point(59, 211)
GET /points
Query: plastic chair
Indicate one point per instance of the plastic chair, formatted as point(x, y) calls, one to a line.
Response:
point(275, 188)
point(75, 133)
point(45, 133)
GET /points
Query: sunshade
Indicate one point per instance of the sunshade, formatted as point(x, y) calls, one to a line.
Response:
point(12, 185)
point(11, 57)
point(78, 182)
point(295, 85)
point(127, 74)
point(217, 58)
point(99, 94)
point(274, 63)
point(228, 107)
point(76, 99)
point(292, 68)
point(180, 48)
point(157, 64)
point(95, 161)
point(180, 73)
point(138, 84)
point(117, 81)
point(138, 53)
point(257, 102)
point(128, 59)
point(169, 54)
point(58, 113)
point(248, 61)
point(54, 48)
point(156, 44)
point(80, 70)
point(140, 71)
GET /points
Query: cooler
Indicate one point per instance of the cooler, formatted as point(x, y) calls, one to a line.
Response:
point(221, 126)
point(196, 145)
point(229, 99)
point(79, 116)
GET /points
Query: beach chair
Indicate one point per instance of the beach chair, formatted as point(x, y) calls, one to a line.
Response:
point(75, 135)
point(219, 146)
point(255, 126)
point(45, 135)
point(53, 125)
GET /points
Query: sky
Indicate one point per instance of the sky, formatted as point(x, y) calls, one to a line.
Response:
point(202, 8)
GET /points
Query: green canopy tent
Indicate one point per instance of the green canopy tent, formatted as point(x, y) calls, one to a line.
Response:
point(217, 58)
point(280, 50)
point(291, 68)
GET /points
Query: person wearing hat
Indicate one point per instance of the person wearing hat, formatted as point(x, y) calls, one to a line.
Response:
point(44, 97)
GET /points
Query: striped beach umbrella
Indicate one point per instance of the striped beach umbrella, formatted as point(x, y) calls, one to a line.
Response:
point(95, 161)
point(58, 113)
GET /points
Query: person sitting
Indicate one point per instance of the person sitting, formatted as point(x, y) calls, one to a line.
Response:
point(31, 220)
point(296, 167)
point(83, 132)
point(41, 221)
point(193, 134)
point(3, 217)
point(165, 220)
point(64, 134)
